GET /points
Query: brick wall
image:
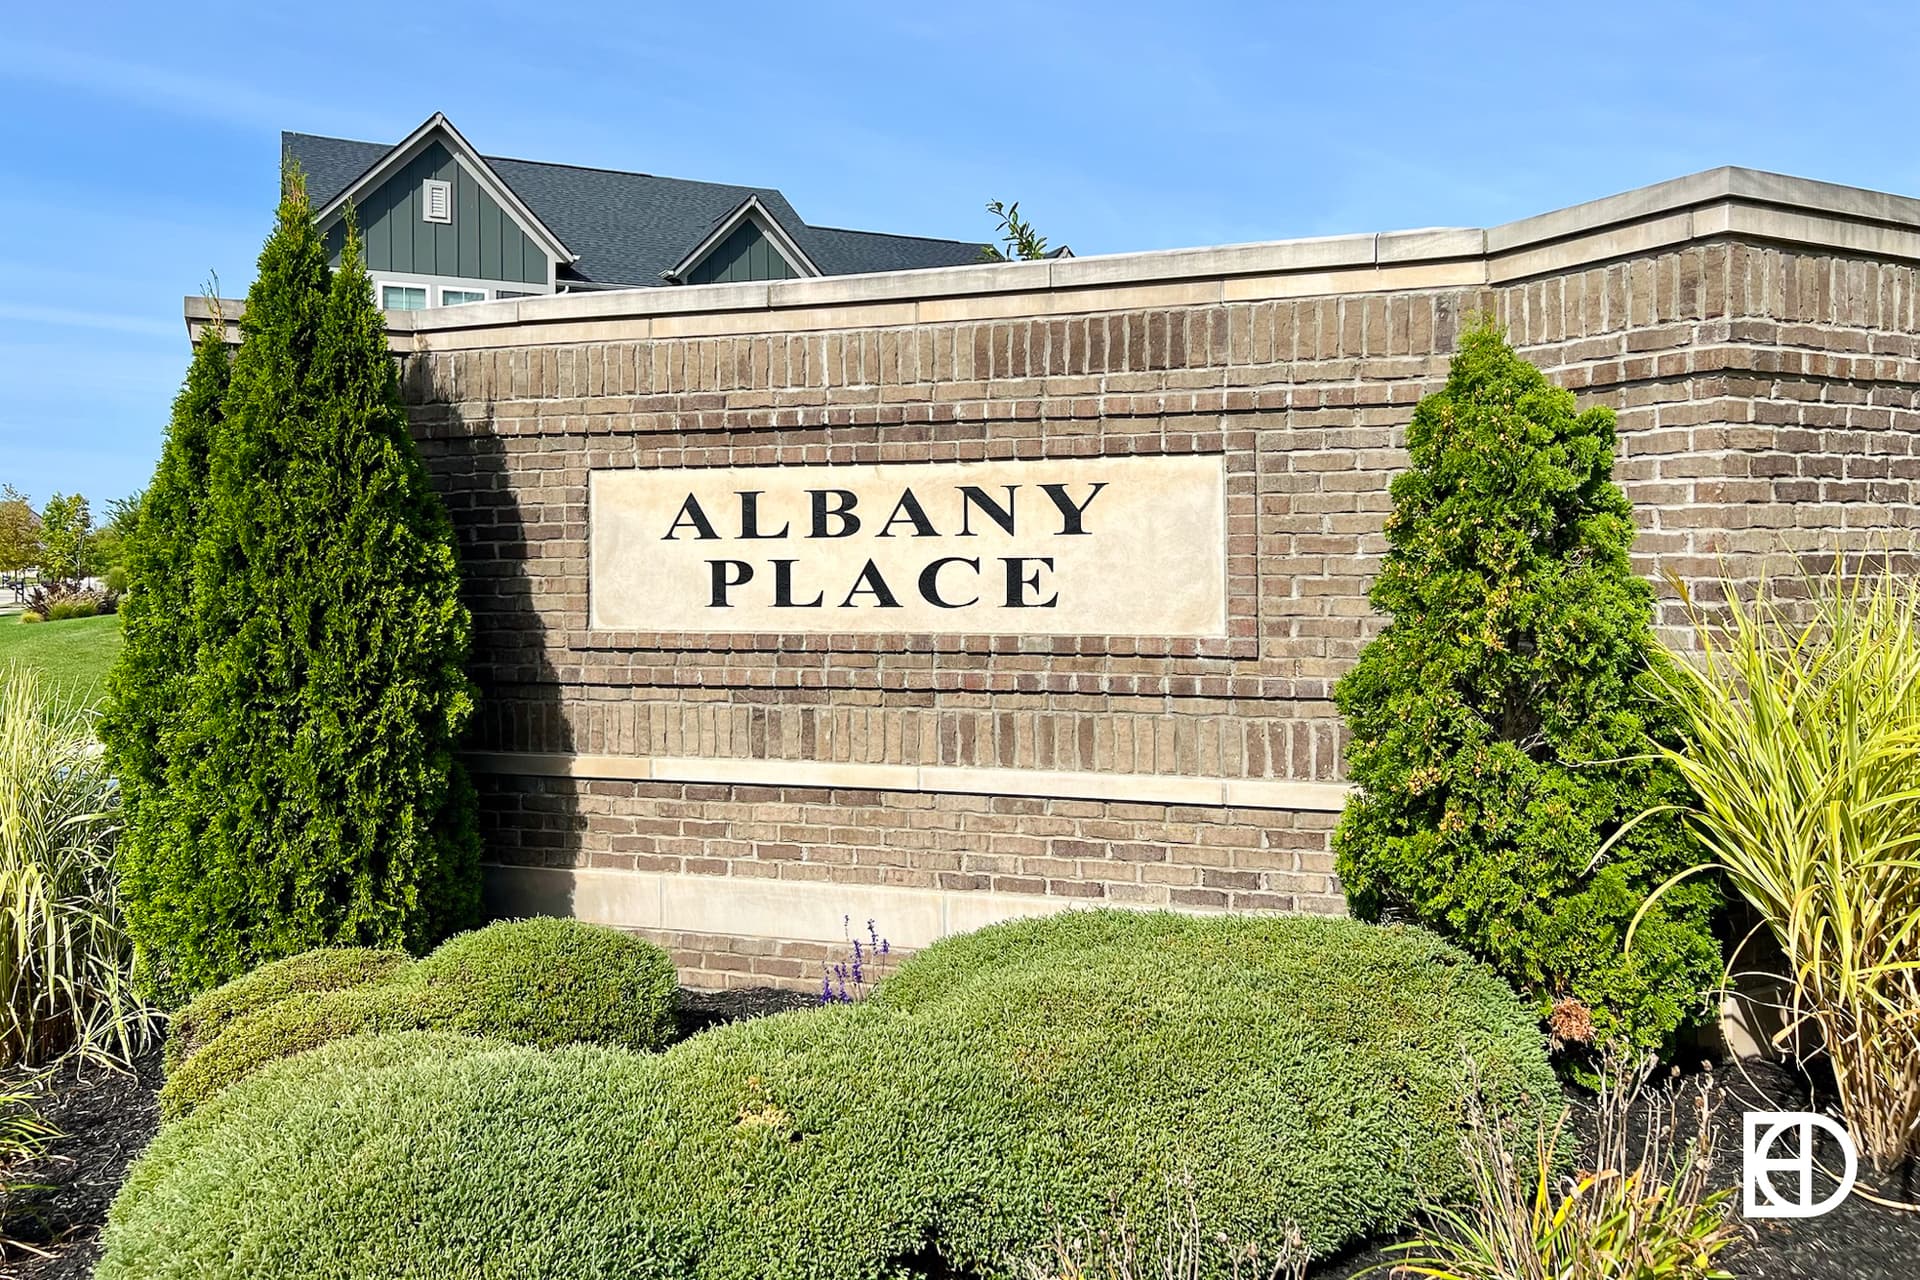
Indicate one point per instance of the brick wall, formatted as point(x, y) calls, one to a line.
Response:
point(1768, 397)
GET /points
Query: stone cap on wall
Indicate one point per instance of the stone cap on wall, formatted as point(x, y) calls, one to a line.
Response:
point(1728, 202)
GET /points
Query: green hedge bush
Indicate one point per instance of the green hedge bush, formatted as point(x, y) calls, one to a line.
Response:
point(1303, 1069)
point(191, 1028)
point(1501, 731)
point(543, 983)
point(1029, 1075)
point(555, 982)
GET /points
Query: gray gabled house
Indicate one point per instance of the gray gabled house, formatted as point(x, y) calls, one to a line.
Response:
point(444, 224)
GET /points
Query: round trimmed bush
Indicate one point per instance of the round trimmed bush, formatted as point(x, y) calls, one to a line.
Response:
point(1286, 1069)
point(191, 1028)
point(555, 982)
point(1027, 1078)
point(543, 982)
point(301, 1022)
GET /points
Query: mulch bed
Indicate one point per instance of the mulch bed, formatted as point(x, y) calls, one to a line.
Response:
point(108, 1119)
point(1859, 1240)
point(699, 1010)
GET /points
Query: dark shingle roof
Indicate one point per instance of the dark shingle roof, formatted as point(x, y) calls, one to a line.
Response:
point(628, 228)
point(840, 252)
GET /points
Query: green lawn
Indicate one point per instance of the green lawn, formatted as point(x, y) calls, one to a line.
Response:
point(72, 656)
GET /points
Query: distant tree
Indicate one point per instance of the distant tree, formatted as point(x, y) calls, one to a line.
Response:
point(1018, 240)
point(312, 794)
point(107, 556)
point(19, 533)
point(66, 536)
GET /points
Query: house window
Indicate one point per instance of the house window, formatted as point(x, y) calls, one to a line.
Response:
point(403, 297)
point(454, 297)
point(436, 201)
point(512, 293)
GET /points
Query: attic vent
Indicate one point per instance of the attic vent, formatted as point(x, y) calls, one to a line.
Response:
point(436, 201)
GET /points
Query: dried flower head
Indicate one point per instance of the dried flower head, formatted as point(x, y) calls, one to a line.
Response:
point(1570, 1023)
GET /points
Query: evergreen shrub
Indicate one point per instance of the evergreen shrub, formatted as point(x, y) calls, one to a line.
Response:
point(1309, 1071)
point(1502, 728)
point(327, 969)
point(541, 982)
point(556, 982)
point(289, 701)
point(148, 718)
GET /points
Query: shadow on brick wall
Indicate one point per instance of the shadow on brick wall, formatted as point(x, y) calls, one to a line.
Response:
point(527, 824)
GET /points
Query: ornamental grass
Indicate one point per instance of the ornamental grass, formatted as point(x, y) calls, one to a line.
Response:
point(1632, 1210)
point(24, 1138)
point(1800, 720)
point(64, 960)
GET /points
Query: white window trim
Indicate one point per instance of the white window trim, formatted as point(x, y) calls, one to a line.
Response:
point(426, 203)
point(446, 289)
point(433, 284)
point(380, 288)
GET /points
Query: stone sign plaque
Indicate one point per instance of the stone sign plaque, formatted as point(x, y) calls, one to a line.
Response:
point(1131, 546)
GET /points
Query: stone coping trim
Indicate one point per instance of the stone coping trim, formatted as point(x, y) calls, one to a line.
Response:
point(748, 906)
point(1728, 201)
point(1122, 788)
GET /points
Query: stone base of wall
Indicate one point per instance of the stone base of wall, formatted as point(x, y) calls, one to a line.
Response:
point(718, 961)
point(753, 885)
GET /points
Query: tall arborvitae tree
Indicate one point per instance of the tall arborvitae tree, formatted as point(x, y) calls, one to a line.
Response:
point(317, 799)
point(149, 687)
point(1500, 729)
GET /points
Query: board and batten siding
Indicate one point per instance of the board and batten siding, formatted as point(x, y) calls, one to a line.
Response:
point(483, 242)
point(746, 254)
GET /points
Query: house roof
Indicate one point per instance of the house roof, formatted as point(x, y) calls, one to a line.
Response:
point(631, 228)
point(752, 208)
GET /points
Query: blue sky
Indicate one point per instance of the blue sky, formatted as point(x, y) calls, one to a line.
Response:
point(138, 143)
